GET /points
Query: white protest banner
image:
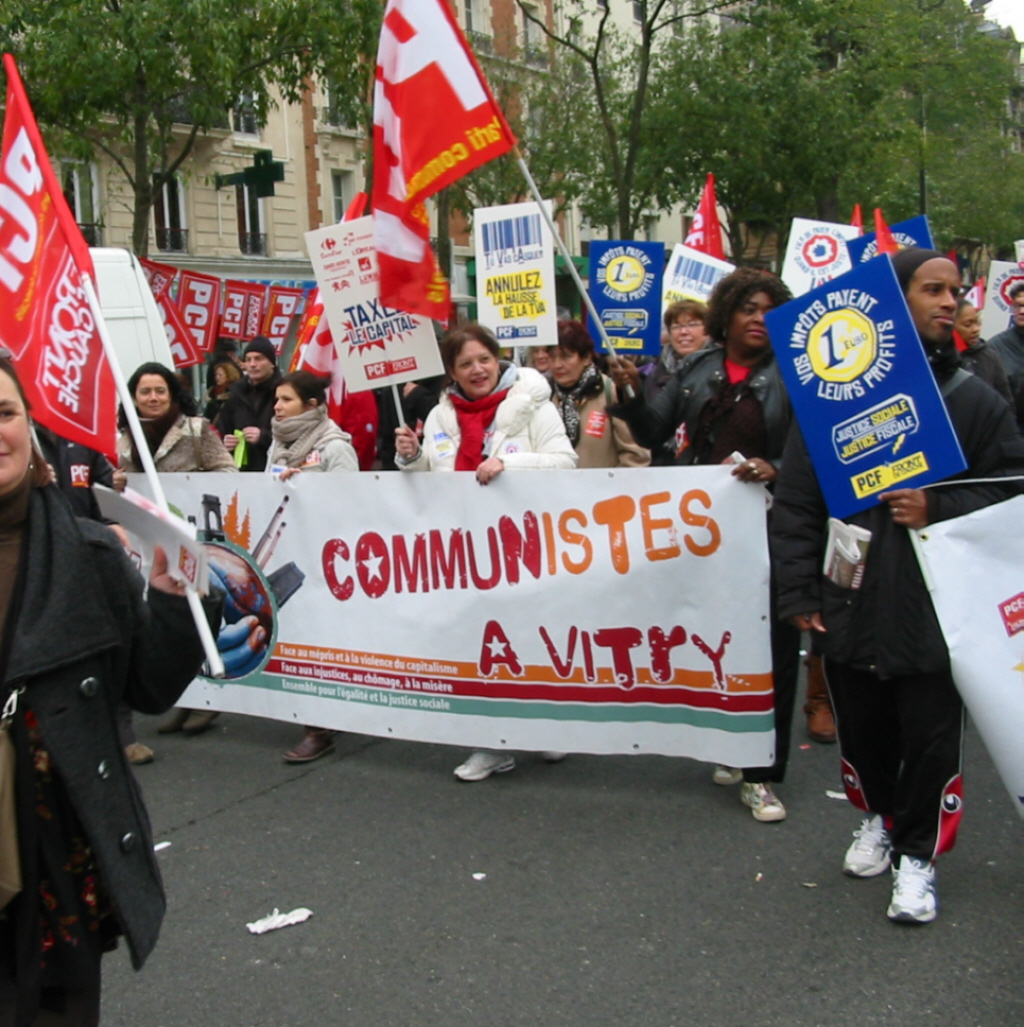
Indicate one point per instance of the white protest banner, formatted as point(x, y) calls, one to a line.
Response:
point(586, 611)
point(691, 275)
point(816, 253)
point(515, 274)
point(975, 568)
point(376, 345)
point(155, 526)
point(997, 316)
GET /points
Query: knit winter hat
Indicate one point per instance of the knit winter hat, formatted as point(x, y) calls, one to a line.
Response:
point(906, 262)
point(261, 344)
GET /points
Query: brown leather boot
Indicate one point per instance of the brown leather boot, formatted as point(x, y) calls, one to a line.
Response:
point(821, 725)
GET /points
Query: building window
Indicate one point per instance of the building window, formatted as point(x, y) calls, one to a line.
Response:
point(534, 50)
point(468, 9)
point(638, 11)
point(343, 190)
point(78, 181)
point(251, 238)
point(244, 116)
point(331, 113)
point(169, 216)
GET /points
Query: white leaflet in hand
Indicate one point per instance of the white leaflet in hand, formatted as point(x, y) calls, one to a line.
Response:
point(186, 557)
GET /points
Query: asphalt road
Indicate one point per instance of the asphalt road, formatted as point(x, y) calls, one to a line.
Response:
point(618, 891)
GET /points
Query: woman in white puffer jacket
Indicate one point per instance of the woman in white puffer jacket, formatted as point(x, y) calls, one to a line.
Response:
point(493, 417)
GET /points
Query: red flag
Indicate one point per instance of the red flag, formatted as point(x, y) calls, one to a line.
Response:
point(976, 294)
point(160, 276)
point(241, 301)
point(705, 232)
point(281, 309)
point(434, 120)
point(857, 219)
point(199, 304)
point(183, 346)
point(885, 242)
point(45, 318)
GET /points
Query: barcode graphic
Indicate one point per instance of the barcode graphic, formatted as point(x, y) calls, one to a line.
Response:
point(512, 234)
point(696, 271)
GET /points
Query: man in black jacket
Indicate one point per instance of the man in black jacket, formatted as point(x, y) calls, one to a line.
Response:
point(250, 404)
point(898, 713)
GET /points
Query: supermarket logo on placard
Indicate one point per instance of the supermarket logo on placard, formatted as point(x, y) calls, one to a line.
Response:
point(1012, 612)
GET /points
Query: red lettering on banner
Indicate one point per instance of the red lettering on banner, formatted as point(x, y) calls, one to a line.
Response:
point(334, 550)
point(540, 545)
point(620, 641)
point(661, 646)
point(496, 650)
point(563, 668)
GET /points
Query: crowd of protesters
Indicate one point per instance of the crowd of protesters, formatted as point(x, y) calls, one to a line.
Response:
point(714, 395)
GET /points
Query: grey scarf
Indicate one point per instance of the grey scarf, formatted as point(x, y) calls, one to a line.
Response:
point(296, 437)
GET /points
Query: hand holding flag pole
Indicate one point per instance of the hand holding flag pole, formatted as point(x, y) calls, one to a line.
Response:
point(46, 271)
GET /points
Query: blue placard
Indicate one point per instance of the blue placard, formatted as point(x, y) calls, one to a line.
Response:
point(862, 390)
point(913, 232)
point(625, 285)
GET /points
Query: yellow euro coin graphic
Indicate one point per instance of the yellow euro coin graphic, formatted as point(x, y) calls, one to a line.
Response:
point(624, 274)
point(842, 345)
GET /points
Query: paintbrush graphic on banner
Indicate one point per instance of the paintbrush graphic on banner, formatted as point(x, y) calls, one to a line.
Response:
point(268, 535)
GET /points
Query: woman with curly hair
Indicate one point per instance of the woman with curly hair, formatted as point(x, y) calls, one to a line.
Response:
point(726, 398)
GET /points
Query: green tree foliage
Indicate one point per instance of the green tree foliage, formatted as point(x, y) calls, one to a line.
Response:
point(142, 80)
point(616, 103)
point(805, 107)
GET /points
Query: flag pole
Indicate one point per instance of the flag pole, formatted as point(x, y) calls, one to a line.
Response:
point(567, 256)
point(213, 657)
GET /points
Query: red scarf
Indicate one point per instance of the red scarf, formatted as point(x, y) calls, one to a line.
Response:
point(474, 417)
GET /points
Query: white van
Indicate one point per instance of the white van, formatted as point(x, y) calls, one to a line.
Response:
point(131, 313)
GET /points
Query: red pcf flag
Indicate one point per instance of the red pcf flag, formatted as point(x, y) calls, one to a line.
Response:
point(885, 241)
point(434, 120)
point(199, 304)
point(706, 232)
point(281, 307)
point(857, 218)
point(976, 294)
point(45, 318)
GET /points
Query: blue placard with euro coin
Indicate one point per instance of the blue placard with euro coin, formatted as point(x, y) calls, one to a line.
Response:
point(862, 390)
point(625, 285)
point(912, 232)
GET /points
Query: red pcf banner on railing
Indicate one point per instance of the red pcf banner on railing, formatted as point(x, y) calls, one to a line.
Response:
point(243, 310)
point(284, 302)
point(199, 305)
point(160, 276)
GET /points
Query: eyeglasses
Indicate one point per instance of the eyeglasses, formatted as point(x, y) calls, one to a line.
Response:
point(688, 325)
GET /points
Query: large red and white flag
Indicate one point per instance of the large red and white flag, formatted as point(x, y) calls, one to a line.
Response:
point(434, 120)
point(705, 231)
point(45, 318)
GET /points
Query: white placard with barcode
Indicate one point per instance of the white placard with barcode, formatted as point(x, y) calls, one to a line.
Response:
point(515, 274)
point(691, 275)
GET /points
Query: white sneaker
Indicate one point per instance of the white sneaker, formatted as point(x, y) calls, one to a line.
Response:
point(727, 775)
point(870, 853)
point(763, 802)
point(482, 764)
point(913, 892)
point(553, 756)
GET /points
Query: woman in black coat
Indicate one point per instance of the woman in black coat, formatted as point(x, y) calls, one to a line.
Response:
point(76, 637)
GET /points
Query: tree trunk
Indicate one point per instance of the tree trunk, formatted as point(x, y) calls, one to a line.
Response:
point(143, 178)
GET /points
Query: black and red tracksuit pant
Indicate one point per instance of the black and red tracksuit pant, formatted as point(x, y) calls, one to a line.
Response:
point(901, 743)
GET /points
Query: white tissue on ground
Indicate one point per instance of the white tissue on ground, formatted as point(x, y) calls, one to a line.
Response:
point(278, 919)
